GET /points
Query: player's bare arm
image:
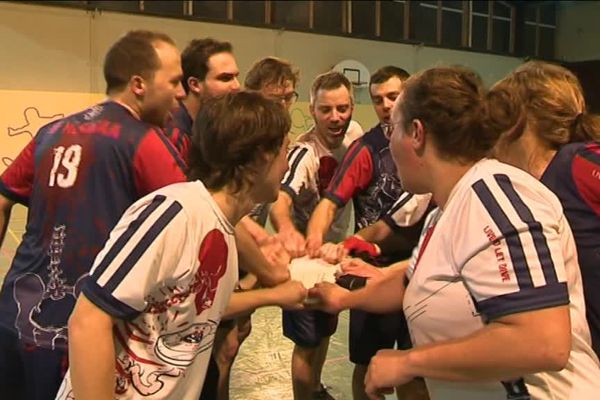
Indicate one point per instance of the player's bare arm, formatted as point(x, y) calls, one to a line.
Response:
point(5, 209)
point(90, 338)
point(281, 217)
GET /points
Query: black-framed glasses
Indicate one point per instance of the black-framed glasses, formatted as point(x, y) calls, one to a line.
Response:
point(289, 98)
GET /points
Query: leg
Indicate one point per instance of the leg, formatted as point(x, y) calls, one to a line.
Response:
point(358, 382)
point(310, 332)
point(413, 390)
point(225, 349)
point(303, 371)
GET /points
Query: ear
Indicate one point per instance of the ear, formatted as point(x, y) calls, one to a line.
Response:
point(418, 135)
point(311, 109)
point(137, 85)
point(195, 85)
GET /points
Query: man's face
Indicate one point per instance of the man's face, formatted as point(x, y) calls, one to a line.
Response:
point(282, 93)
point(164, 89)
point(222, 76)
point(383, 96)
point(332, 112)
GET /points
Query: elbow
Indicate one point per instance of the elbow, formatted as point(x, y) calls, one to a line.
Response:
point(555, 354)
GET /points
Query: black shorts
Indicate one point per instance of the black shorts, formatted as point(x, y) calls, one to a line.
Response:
point(28, 371)
point(308, 328)
point(370, 333)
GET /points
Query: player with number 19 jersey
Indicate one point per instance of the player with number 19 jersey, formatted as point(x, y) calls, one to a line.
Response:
point(77, 176)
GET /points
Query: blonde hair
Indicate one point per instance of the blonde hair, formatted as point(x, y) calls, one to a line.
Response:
point(546, 97)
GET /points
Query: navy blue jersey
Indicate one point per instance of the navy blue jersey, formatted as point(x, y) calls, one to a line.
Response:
point(574, 176)
point(179, 130)
point(367, 175)
point(78, 175)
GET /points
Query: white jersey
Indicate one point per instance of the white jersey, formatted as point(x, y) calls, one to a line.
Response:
point(166, 275)
point(501, 246)
point(312, 166)
point(407, 210)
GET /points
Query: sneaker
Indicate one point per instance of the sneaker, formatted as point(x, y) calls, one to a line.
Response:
point(322, 394)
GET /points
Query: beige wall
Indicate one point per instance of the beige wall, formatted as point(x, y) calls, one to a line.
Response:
point(59, 49)
point(578, 31)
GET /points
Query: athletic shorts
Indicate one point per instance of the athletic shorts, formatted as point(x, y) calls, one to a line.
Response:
point(27, 371)
point(308, 327)
point(370, 333)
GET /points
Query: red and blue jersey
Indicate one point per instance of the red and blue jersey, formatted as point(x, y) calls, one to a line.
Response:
point(179, 130)
point(77, 176)
point(367, 174)
point(574, 176)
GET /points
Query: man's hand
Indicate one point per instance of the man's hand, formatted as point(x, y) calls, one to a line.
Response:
point(332, 253)
point(328, 297)
point(293, 241)
point(387, 369)
point(356, 245)
point(275, 253)
point(358, 267)
point(290, 295)
point(313, 245)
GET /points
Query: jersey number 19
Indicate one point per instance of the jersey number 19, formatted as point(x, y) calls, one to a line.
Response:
point(69, 159)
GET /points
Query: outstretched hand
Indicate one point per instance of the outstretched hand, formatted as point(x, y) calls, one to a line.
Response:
point(328, 297)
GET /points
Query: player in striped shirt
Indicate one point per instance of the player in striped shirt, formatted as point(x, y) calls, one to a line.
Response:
point(494, 298)
point(163, 281)
point(559, 143)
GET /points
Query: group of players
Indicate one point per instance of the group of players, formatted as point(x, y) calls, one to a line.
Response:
point(126, 283)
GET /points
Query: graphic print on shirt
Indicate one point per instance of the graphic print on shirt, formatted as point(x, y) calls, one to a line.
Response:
point(33, 297)
point(185, 341)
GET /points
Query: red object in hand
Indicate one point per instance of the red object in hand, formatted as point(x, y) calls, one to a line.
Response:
point(355, 245)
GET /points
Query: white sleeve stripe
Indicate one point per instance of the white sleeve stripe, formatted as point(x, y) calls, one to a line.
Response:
point(293, 162)
point(535, 228)
point(508, 232)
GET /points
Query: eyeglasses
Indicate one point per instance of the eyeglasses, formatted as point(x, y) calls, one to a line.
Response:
point(289, 98)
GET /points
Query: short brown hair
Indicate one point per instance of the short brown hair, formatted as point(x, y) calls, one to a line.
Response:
point(270, 71)
point(450, 103)
point(329, 81)
point(383, 74)
point(549, 99)
point(230, 136)
point(194, 59)
point(133, 54)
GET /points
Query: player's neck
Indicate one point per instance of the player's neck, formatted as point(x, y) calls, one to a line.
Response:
point(128, 105)
point(233, 205)
point(192, 105)
point(444, 177)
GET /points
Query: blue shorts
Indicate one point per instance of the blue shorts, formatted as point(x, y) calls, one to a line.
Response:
point(27, 371)
point(308, 328)
point(370, 333)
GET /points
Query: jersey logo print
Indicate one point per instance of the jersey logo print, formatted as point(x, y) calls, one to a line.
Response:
point(35, 299)
point(213, 264)
point(327, 166)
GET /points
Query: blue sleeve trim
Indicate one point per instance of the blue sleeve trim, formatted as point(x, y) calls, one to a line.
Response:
point(524, 300)
point(106, 302)
point(9, 194)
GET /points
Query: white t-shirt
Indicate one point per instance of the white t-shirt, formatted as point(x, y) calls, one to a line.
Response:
point(312, 166)
point(166, 274)
point(501, 246)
